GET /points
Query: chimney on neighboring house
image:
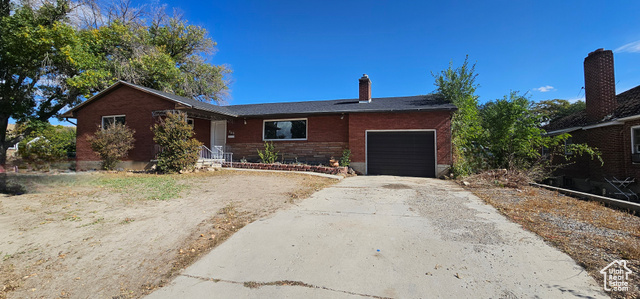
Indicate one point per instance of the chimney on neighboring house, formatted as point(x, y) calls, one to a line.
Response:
point(365, 89)
point(599, 84)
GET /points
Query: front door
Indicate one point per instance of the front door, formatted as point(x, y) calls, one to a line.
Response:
point(218, 133)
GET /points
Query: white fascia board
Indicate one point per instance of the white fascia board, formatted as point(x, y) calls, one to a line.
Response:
point(628, 118)
point(610, 123)
point(556, 132)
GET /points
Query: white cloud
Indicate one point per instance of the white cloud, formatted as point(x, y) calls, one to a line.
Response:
point(633, 47)
point(545, 88)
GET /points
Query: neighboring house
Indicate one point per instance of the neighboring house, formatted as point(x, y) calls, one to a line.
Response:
point(13, 150)
point(610, 123)
point(399, 135)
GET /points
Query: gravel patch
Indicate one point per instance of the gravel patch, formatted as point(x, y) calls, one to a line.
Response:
point(466, 227)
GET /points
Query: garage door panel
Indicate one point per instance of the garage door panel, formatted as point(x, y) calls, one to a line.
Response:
point(408, 153)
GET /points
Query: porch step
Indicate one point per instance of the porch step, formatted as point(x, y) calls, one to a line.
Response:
point(209, 163)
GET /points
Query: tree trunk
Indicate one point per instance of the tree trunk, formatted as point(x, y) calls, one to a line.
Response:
point(4, 121)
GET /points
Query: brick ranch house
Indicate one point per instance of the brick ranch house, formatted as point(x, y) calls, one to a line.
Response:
point(398, 135)
point(610, 122)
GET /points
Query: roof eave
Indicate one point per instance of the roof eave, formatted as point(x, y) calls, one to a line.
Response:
point(344, 112)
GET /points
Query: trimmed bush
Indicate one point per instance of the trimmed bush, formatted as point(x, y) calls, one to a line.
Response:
point(112, 144)
point(179, 150)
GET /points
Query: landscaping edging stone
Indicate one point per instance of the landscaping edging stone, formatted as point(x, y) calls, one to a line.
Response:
point(288, 167)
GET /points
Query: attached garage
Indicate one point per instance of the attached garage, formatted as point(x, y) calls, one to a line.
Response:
point(403, 153)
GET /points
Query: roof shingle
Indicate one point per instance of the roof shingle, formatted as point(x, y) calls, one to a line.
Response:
point(393, 104)
point(628, 105)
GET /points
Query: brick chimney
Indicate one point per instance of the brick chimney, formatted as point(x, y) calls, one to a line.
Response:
point(599, 84)
point(365, 89)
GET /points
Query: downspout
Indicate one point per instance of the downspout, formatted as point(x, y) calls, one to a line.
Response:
point(67, 119)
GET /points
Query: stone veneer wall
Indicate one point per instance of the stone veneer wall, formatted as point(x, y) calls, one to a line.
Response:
point(291, 151)
point(288, 167)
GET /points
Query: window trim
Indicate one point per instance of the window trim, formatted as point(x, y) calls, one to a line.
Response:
point(193, 122)
point(632, 142)
point(114, 119)
point(545, 152)
point(568, 152)
point(306, 128)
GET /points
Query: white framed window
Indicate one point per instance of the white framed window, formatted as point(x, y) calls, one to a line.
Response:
point(109, 120)
point(545, 152)
point(635, 140)
point(284, 129)
point(567, 142)
point(190, 122)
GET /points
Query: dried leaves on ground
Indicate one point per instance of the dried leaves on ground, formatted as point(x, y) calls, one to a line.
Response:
point(592, 234)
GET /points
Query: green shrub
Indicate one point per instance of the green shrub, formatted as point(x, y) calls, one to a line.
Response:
point(345, 160)
point(112, 144)
point(46, 144)
point(269, 155)
point(180, 151)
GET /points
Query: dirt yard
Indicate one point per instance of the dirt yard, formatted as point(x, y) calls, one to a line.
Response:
point(592, 234)
point(123, 235)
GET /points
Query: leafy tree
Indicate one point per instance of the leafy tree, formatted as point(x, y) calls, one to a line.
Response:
point(513, 137)
point(180, 151)
point(550, 110)
point(457, 85)
point(46, 144)
point(46, 64)
point(33, 65)
point(166, 57)
point(112, 144)
point(505, 133)
point(513, 131)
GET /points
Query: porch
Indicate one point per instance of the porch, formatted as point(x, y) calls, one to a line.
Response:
point(210, 129)
point(213, 157)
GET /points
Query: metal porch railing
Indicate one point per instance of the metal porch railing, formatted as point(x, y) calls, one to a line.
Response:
point(207, 156)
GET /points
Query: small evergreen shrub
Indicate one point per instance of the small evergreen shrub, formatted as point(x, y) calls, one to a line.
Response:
point(269, 155)
point(112, 144)
point(180, 151)
point(345, 160)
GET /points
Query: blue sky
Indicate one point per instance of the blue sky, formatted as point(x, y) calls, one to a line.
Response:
point(282, 51)
point(315, 50)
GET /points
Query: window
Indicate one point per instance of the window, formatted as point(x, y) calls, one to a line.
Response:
point(635, 140)
point(286, 129)
point(567, 142)
point(545, 152)
point(107, 121)
point(190, 122)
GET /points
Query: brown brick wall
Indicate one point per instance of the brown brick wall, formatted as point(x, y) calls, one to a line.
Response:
point(136, 106)
point(327, 136)
point(611, 142)
point(438, 120)
point(304, 152)
point(631, 169)
point(599, 83)
point(201, 129)
point(322, 128)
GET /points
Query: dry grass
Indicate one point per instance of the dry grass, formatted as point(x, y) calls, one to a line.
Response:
point(86, 208)
point(592, 234)
point(214, 231)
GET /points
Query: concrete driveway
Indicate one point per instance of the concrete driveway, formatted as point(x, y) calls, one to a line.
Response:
point(384, 237)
